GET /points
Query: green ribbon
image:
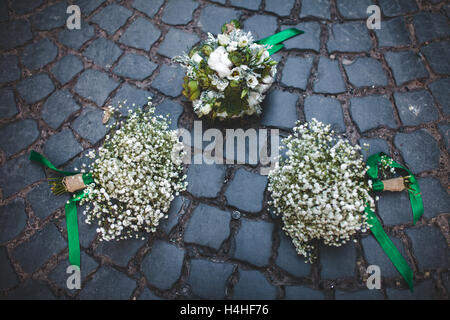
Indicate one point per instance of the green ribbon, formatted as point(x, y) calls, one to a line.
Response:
point(70, 207)
point(275, 39)
point(377, 229)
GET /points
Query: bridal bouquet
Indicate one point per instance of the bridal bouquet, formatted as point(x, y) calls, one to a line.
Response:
point(320, 189)
point(135, 175)
point(227, 75)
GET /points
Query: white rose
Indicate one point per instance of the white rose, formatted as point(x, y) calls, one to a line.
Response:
point(252, 82)
point(219, 62)
point(224, 39)
point(235, 74)
point(197, 58)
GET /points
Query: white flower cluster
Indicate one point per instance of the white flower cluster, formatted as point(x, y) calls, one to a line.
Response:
point(227, 75)
point(320, 189)
point(136, 173)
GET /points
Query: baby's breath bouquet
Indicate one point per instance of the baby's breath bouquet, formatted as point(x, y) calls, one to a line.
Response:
point(320, 188)
point(227, 75)
point(136, 173)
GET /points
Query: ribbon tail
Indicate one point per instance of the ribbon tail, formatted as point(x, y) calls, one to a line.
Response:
point(39, 158)
point(275, 39)
point(72, 232)
point(389, 248)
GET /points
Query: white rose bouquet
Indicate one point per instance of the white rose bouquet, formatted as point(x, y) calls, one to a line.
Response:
point(227, 75)
point(320, 189)
point(135, 173)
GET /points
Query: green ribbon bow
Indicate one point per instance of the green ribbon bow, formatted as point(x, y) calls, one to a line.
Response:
point(275, 39)
point(70, 207)
point(377, 228)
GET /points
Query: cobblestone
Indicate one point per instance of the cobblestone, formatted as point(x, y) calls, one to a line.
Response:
point(13, 219)
point(39, 54)
point(14, 33)
point(423, 291)
point(9, 69)
point(315, 8)
point(103, 52)
point(437, 54)
point(364, 72)
point(395, 208)
point(95, 85)
point(415, 107)
point(9, 277)
point(150, 8)
point(405, 66)
point(354, 9)
point(179, 11)
point(51, 17)
point(214, 285)
point(120, 252)
point(359, 295)
point(430, 26)
point(43, 202)
point(253, 285)
point(65, 69)
point(31, 290)
point(212, 17)
point(371, 112)
point(169, 80)
point(280, 8)
point(62, 147)
point(176, 42)
point(309, 40)
point(112, 18)
point(289, 260)
point(296, 72)
point(76, 38)
point(8, 107)
point(393, 33)
point(135, 66)
point(329, 77)
point(440, 91)
point(349, 37)
point(261, 26)
point(303, 293)
point(396, 8)
point(375, 145)
point(141, 34)
point(18, 135)
point(326, 110)
point(280, 110)
point(435, 199)
point(89, 125)
point(35, 88)
point(171, 109)
point(58, 107)
point(212, 177)
point(344, 257)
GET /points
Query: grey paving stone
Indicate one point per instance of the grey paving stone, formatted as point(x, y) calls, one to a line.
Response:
point(24, 6)
point(315, 8)
point(176, 42)
point(18, 173)
point(179, 11)
point(415, 107)
point(169, 80)
point(208, 226)
point(135, 66)
point(308, 40)
point(281, 8)
point(39, 54)
point(344, 257)
point(177, 209)
point(419, 150)
point(59, 275)
point(148, 295)
point(260, 26)
point(435, 199)
point(18, 135)
point(212, 18)
point(444, 128)
point(44, 202)
point(13, 219)
point(247, 4)
point(252, 285)
point(326, 110)
point(112, 18)
point(162, 267)
point(9, 69)
point(393, 33)
point(446, 281)
point(349, 37)
point(371, 112)
point(133, 95)
point(61, 147)
point(303, 293)
point(397, 8)
point(77, 37)
point(51, 17)
point(87, 6)
point(9, 277)
point(121, 251)
point(440, 91)
point(8, 107)
point(280, 110)
point(103, 52)
point(141, 34)
point(289, 260)
point(430, 26)
point(353, 9)
point(95, 85)
point(375, 145)
point(296, 72)
point(437, 55)
point(247, 249)
point(31, 290)
point(58, 107)
point(108, 284)
point(35, 88)
point(172, 109)
point(364, 72)
point(14, 33)
point(4, 15)
point(214, 285)
point(66, 68)
point(405, 66)
point(329, 77)
point(359, 295)
point(205, 180)
point(89, 125)
point(39, 248)
point(375, 255)
point(423, 291)
point(150, 8)
point(429, 247)
point(86, 232)
point(246, 191)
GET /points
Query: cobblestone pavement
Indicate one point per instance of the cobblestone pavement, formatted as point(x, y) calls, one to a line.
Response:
point(387, 87)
